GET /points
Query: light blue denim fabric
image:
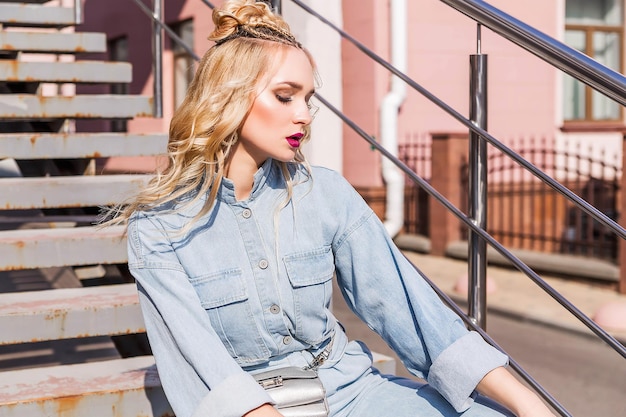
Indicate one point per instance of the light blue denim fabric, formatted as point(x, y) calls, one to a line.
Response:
point(249, 287)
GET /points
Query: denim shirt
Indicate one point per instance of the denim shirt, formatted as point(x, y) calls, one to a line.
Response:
point(250, 285)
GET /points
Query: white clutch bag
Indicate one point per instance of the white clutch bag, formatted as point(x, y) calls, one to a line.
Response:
point(297, 392)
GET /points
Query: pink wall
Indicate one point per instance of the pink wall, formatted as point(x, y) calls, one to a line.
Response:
point(124, 18)
point(364, 84)
point(119, 18)
point(522, 88)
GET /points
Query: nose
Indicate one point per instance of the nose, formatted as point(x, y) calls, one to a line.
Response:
point(302, 114)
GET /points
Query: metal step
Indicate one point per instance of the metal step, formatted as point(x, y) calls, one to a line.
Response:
point(29, 15)
point(66, 72)
point(30, 106)
point(66, 313)
point(43, 248)
point(53, 42)
point(120, 387)
point(81, 145)
point(68, 191)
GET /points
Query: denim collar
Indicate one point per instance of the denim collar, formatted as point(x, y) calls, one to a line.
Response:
point(267, 173)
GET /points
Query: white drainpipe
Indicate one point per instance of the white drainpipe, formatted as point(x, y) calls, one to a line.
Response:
point(393, 176)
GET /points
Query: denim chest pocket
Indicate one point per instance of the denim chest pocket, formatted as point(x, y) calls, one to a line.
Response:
point(224, 296)
point(310, 274)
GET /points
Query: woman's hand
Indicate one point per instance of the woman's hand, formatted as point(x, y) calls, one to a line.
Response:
point(266, 410)
point(501, 386)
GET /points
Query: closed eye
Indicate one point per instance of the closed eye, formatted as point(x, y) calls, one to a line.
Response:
point(284, 99)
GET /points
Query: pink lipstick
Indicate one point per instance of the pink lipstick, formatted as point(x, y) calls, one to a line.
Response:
point(294, 140)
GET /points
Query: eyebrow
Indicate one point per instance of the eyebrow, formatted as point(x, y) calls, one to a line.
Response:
point(295, 85)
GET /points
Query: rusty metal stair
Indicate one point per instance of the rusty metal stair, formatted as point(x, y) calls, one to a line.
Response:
point(47, 212)
point(66, 72)
point(122, 387)
point(53, 42)
point(35, 16)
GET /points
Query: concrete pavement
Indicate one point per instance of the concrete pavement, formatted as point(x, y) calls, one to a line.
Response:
point(511, 292)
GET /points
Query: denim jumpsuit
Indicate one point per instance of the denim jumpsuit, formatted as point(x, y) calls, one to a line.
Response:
point(249, 288)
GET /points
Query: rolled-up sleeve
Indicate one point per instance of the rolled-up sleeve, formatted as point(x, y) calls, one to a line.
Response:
point(389, 294)
point(198, 375)
point(459, 368)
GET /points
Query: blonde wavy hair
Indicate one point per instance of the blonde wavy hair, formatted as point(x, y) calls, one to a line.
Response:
point(248, 39)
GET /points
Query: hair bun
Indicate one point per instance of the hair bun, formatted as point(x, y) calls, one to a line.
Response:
point(235, 14)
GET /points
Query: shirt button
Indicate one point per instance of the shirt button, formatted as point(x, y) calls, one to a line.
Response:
point(246, 213)
point(274, 309)
point(287, 340)
point(263, 264)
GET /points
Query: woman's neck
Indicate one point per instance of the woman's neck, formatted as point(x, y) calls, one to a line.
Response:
point(241, 172)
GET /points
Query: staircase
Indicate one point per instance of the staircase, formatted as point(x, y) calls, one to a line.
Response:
point(62, 279)
point(49, 198)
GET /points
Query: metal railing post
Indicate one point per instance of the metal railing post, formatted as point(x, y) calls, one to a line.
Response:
point(277, 6)
point(157, 54)
point(78, 12)
point(477, 256)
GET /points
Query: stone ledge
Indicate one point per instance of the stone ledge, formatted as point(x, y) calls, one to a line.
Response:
point(558, 264)
point(568, 265)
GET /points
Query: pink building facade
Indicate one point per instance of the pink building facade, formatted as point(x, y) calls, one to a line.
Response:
point(527, 97)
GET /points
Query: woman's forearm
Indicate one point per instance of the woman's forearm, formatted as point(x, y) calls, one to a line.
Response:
point(501, 386)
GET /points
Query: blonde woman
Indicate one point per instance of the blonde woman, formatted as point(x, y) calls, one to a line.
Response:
point(235, 244)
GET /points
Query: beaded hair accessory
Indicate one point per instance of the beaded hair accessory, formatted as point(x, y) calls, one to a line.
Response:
point(264, 32)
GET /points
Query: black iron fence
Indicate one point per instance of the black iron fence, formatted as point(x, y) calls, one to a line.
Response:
point(523, 212)
point(415, 152)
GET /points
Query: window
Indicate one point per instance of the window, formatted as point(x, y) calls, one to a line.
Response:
point(595, 28)
point(183, 62)
point(118, 51)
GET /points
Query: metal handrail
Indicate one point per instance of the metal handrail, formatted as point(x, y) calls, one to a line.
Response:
point(158, 26)
point(427, 187)
point(569, 60)
point(512, 362)
point(459, 214)
point(157, 50)
point(501, 249)
point(567, 193)
point(169, 30)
